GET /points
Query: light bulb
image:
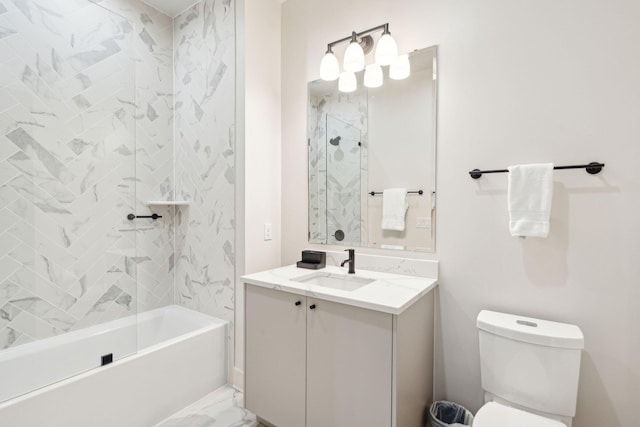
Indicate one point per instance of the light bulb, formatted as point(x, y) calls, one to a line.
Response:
point(373, 76)
point(354, 57)
point(347, 82)
point(329, 67)
point(400, 67)
point(386, 50)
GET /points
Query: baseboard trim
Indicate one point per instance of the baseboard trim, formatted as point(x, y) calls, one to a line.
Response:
point(237, 379)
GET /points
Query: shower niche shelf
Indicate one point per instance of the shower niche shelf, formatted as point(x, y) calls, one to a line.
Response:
point(168, 203)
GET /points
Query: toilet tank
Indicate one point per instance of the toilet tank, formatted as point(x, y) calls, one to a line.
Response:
point(530, 362)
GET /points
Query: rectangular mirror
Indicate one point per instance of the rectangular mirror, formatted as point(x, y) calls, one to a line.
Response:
point(368, 141)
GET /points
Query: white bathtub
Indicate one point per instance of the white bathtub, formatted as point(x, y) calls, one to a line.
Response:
point(181, 356)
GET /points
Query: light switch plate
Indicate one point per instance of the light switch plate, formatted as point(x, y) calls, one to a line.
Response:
point(423, 222)
point(268, 231)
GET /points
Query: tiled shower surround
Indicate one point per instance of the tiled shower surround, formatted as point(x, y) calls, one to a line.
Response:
point(87, 131)
point(204, 39)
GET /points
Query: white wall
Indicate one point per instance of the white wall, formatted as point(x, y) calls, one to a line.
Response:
point(397, 156)
point(262, 127)
point(262, 146)
point(519, 82)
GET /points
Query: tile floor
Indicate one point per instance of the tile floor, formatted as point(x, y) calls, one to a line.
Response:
point(222, 408)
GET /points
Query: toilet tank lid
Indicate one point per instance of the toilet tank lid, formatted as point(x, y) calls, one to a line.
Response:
point(531, 330)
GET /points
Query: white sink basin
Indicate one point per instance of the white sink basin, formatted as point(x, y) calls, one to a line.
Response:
point(343, 282)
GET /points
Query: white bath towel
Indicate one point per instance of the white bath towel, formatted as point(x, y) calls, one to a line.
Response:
point(394, 208)
point(530, 193)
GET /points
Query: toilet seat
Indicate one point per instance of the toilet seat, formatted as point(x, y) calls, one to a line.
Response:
point(493, 414)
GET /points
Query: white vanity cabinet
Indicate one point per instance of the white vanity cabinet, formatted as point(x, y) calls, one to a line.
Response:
point(275, 355)
point(317, 363)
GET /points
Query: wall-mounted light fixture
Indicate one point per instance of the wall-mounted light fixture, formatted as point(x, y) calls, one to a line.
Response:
point(360, 44)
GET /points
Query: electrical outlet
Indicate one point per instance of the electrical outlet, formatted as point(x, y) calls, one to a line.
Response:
point(268, 231)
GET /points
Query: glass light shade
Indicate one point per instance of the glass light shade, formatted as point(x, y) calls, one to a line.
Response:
point(329, 67)
point(347, 82)
point(373, 76)
point(386, 50)
point(353, 58)
point(400, 67)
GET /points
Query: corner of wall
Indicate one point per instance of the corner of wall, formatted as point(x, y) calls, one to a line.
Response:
point(240, 264)
point(259, 134)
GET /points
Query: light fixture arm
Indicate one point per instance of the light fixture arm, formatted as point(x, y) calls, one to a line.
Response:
point(354, 36)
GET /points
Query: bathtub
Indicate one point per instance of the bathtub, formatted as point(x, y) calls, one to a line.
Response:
point(181, 356)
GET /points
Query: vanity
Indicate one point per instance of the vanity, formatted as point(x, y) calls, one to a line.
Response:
point(326, 348)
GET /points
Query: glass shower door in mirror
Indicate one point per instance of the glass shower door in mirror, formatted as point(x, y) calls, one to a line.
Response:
point(343, 181)
point(337, 165)
point(67, 184)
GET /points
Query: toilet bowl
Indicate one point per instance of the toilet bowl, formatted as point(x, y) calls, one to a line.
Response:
point(529, 370)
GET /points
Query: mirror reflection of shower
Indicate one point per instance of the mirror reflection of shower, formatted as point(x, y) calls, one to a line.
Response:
point(343, 180)
point(397, 124)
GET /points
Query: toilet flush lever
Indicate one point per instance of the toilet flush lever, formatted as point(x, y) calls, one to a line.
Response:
point(526, 323)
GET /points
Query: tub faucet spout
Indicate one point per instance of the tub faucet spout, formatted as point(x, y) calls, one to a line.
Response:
point(351, 261)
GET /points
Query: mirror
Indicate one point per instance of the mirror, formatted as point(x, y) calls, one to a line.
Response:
point(368, 141)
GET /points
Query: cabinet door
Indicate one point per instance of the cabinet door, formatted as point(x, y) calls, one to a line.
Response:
point(275, 356)
point(349, 366)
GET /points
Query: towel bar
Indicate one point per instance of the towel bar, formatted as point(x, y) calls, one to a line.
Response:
point(419, 192)
point(592, 168)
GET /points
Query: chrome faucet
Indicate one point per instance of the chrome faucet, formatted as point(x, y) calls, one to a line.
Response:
point(351, 261)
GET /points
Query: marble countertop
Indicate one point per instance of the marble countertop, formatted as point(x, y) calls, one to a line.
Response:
point(388, 293)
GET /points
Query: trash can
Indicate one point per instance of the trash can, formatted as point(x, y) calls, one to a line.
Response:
point(445, 414)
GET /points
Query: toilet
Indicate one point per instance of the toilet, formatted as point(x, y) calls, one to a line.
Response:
point(529, 369)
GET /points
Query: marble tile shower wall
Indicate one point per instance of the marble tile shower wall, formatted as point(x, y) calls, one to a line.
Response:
point(317, 172)
point(204, 64)
point(70, 113)
point(153, 47)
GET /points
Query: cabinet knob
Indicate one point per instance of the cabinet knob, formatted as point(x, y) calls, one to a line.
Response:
point(298, 303)
point(312, 306)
